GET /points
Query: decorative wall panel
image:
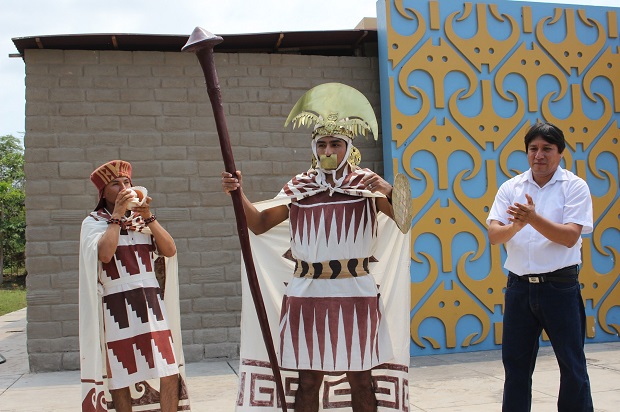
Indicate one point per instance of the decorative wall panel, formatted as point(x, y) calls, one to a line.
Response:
point(461, 82)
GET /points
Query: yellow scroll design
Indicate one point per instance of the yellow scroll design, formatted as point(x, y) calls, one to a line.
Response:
point(482, 48)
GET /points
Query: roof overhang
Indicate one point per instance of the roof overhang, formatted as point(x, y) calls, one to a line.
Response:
point(361, 42)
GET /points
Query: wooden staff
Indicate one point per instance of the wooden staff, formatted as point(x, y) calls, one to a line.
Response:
point(202, 42)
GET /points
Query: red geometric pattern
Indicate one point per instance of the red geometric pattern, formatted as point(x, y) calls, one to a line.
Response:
point(162, 340)
point(314, 311)
point(127, 256)
point(319, 210)
point(138, 300)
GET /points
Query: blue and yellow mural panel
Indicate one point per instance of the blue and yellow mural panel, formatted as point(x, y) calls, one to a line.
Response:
point(461, 82)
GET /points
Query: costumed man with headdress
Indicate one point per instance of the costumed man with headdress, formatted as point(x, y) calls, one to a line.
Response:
point(131, 354)
point(332, 319)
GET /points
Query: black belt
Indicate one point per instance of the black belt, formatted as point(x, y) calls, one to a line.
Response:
point(567, 274)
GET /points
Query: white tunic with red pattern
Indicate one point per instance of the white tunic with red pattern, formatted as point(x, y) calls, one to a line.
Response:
point(129, 332)
point(139, 341)
point(333, 324)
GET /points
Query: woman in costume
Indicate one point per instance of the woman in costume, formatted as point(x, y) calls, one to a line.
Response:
point(130, 344)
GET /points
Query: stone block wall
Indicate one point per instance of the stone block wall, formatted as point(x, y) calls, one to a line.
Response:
point(84, 108)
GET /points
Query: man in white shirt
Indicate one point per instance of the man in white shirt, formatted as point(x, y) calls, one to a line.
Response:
point(540, 215)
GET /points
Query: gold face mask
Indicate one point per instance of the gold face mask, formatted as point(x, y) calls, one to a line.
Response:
point(328, 162)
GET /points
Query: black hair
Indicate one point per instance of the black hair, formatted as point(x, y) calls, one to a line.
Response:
point(549, 132)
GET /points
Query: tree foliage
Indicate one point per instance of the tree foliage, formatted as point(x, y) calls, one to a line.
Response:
point(12, 205)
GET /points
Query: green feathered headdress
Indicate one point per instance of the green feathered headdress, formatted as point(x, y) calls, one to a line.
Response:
point(335, 109)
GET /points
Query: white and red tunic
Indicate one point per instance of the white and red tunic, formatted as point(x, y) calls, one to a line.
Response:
point(333, 324)
point(138, 339)
point(129, 332)
point(336, 324)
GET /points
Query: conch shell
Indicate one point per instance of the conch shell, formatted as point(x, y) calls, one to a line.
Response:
point(139, 197)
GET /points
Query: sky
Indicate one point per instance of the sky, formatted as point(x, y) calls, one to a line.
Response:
point(28, 18)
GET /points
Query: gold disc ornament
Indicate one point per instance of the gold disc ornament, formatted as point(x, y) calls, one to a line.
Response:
point(401, 203)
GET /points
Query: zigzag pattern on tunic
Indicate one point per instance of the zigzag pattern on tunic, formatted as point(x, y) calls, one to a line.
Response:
point(322, 210)
point(320, 317)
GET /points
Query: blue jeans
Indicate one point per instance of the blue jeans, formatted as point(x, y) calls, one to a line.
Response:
point(557, 308)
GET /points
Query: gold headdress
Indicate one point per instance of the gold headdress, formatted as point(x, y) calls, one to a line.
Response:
point(337, 109)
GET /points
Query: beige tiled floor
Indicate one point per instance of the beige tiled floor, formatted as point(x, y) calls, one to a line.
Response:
point(455, 383)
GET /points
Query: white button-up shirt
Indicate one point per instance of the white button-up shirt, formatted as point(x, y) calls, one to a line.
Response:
point(564, 199)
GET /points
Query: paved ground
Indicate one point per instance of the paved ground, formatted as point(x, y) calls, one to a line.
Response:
point(455, 383)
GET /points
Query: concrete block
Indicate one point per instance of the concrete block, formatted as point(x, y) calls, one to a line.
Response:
point(137, 95)
point(193, 352)
point(148, 58)
point(169, 71)
point(73, 123)
point(71, 330)
point(66, 70)
point(34, 248)
point(74, 169)
point(146, 109)
point(254, 59)
point(101, 70)
point(37, 124)
point(66, 95)
point(180, 168)
point(206, 305)
point(69, 263)
point(37, 187)
point(41, 313)
point(171, 184)
point(233, 303)
point(64, 247)
point(207, 275)
point(112, 109)
point(182, 109)
point(100, 155)
point(81, 57)
point(137, 123)
point(184, 230)
point(220, 320)
point(42, 233)
point(191, 321)
point(44, 56)
point(221, 350)
point(212, 229)
point(134, 71)
point(211, 335)
point(71, 361)
point(64, 312)
point(216, 258)
point(171, 95)
point(38, 94)
point(116, 57)
point(173, 124)
point(44, 330)
point(76, 140)
point(44, 362)
point(219, 290)
point(103, 95)
point(41, 140)
point(43, 264)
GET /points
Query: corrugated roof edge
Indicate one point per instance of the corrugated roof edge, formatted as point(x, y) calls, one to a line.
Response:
point(339, 42)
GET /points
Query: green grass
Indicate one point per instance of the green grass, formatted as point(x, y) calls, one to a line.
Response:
point(12, 294)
